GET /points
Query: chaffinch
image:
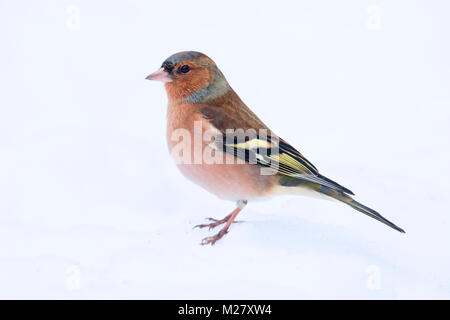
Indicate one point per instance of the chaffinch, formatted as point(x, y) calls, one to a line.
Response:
point(219, 143)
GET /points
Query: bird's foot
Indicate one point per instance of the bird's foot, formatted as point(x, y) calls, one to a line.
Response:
point(228, 220)
point(213, 239)
point(215, 222)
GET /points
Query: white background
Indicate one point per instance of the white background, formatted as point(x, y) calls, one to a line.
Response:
point(91, 206)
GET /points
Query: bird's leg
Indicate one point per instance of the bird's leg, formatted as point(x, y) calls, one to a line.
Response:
point(215, 222)
point(229, 220)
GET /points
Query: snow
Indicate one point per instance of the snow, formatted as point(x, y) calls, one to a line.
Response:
point(92, 206)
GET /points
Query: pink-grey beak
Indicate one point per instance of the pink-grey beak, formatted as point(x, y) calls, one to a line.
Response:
point(160, 75)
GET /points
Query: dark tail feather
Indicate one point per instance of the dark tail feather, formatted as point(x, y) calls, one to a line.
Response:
point(358, 206)
point(371, 213)
point(337, 185)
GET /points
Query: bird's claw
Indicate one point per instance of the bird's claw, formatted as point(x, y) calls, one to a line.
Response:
point(210, 226)
point(213, 239)
point(216, 223)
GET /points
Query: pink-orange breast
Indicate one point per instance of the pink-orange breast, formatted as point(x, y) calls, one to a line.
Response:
point(200, 162)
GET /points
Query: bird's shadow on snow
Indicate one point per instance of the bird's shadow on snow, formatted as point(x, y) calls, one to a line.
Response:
point(299, 235)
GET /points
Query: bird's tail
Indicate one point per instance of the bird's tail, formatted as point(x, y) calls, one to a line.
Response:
point(358, 206)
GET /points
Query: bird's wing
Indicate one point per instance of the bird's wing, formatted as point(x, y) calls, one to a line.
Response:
point(261, 147)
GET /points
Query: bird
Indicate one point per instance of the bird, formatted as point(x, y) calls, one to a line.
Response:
point(219, 143)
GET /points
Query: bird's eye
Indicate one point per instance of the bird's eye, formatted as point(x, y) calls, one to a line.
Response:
point(185, 69)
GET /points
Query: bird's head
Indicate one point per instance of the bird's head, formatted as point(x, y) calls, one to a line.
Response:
point(191, 77)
